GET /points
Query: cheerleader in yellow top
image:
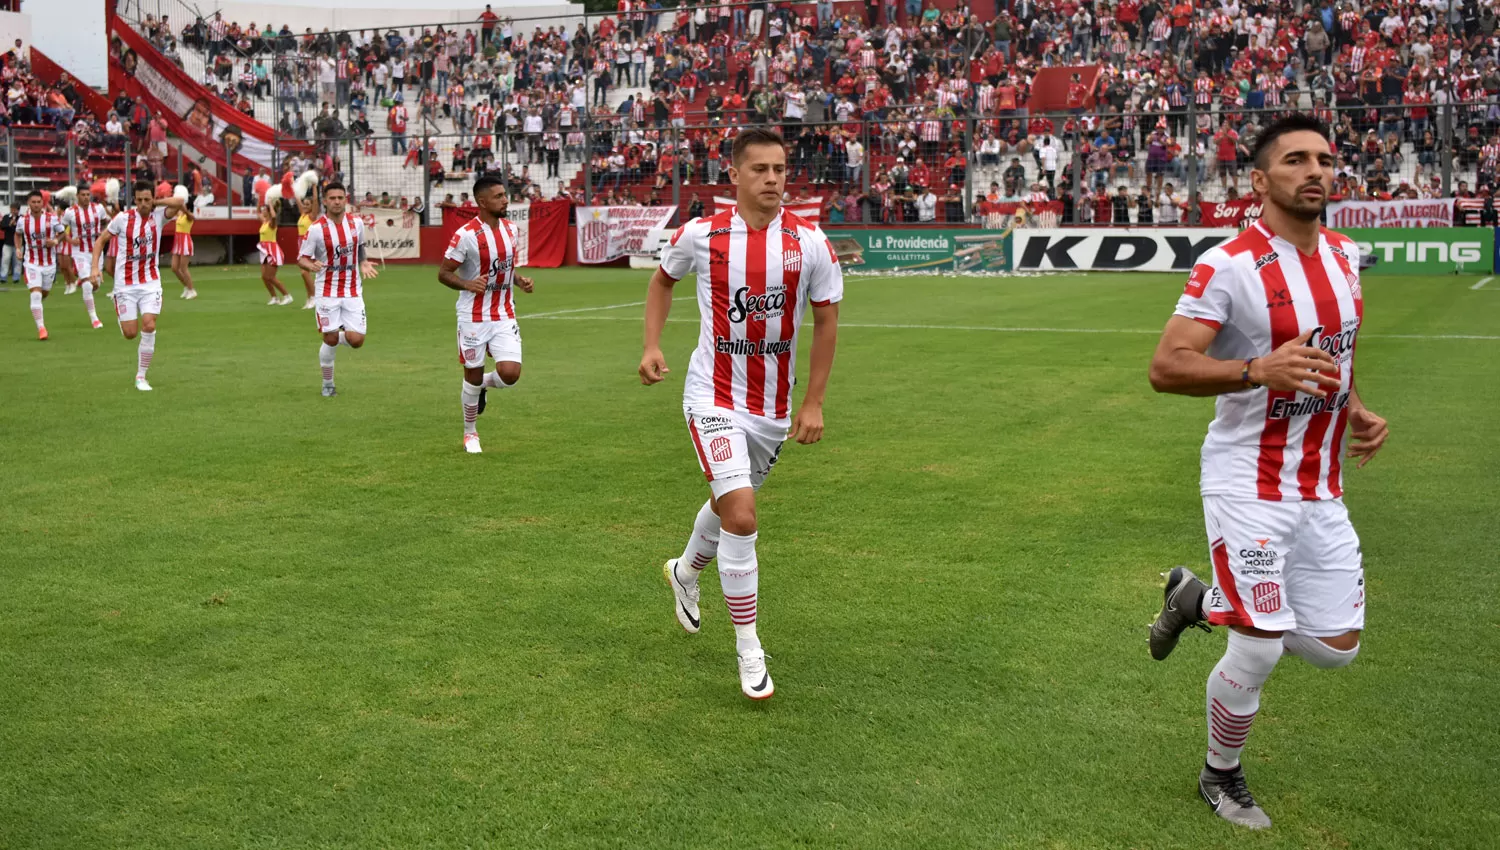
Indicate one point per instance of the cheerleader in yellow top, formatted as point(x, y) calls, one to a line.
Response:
point(182, 250)
point(309, 208)
point(270, 253)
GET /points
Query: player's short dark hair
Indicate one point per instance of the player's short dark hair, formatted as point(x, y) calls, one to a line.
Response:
point(334, 185)
point(754, 136)
point(84, 187)
point(143, 186)
point(488, 181)
point(32, 194)
point(1295, 122)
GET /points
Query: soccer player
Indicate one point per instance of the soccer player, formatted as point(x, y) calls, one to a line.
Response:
point(334, 251)
point(271, 257)
point(38, 233)
point(481, 264)
point(84, 221)
point(137, 290)
point(1267, 325)
point(182, 250)
point(758, 268)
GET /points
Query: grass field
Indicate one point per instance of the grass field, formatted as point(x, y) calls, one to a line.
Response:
point(236, 614)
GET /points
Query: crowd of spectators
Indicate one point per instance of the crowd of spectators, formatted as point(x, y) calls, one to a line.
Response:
point(893, 106)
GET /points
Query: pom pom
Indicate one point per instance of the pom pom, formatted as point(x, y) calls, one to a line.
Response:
point(180, 192)
point(112, 190)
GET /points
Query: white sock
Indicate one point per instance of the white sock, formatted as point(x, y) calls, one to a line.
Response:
point(36, 309)
point(325, 359)
point(702, 545)
point(88, 302)
point(738, 577)
point(343, 340)
point(492, 381)
point(1234, 695)
point(470, 396)
point(1316, 652)
point(144, 352)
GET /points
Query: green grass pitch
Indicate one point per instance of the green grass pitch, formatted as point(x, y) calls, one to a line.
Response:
point(236, 614)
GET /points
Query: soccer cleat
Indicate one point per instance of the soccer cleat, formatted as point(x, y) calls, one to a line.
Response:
point(97, 324)
point(140, 384)
point(41, 334)
point(471, 444)
point(189, 294)
point(1181, 609)
point(754, 680)
point(72, 288)
point(479, 411)
point(308, 305)
point(285, 299)
point(686, 598)
point(273, 302)
point(1227, 794)
point(329, 391)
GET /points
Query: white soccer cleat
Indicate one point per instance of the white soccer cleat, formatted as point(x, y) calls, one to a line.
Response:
point(72, 288)
point(273, 302)
point(685, 599)
point(754, 680)
point(98, 324)
point(471, 444)
point(285, 299)
point(308, 305)
point(189, 294)
point(140, 384)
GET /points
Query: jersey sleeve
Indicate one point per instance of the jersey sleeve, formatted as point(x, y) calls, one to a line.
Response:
point(1208, 295)
point(69, 219)
point(117, 224)
point(458, 248)
point(827, 283)
point(678, 257)
point(312, 244)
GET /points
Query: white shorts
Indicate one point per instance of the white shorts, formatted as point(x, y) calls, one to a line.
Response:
point(1285, 566)
point(340, 313)
point(501, 339)
point(734, 449)
point(83, 264)
point(132, 302)
point(39, 277)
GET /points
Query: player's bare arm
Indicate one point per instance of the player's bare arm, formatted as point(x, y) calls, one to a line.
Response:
point(173, 205)
point(448, 276)
point(311, 264)
point(807, 425)
point(1182, 366)
point(1367, 430)
point(525, 284)
point(366, 267)
point(99, 245)
point(653, 367)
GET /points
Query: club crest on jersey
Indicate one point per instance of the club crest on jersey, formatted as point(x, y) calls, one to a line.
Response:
point(791, 258)
point(1266, 597)
point(1353, 280)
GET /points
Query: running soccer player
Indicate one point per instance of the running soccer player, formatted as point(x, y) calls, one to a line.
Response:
point(271, 257)
point(137, 273)
point(334, 251)
point(182, 250)
point(38, 233)
point(1268, 325)
point(84, 221)
point(758, 268)
point(481, 264)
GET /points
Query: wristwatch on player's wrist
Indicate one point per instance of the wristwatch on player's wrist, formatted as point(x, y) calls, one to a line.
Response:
point(1245, 374)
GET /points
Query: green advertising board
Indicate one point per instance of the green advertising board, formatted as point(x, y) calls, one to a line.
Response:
point(1426, 250)
point(922, 250)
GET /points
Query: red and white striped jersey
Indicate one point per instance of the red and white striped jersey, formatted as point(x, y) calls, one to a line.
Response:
point(488, 254)
point(753, 289)
point(85, 223)
point(1258, 291)
point(139, 238)
point(35, 230)
point(338, 244)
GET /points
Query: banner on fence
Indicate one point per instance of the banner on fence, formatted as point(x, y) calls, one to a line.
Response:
point(541, 229)
point(390, 234)
point(1114, 249)
point(810, 209)
point(1434, 212)
point(1427, 250)
point(1238, 213)
point(920, 250)
point(609, 233)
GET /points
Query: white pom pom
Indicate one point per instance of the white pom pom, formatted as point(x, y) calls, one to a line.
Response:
point(112, 190)
point(304, 184)
point(273, 197)
point(68, 194)
point(180, 192)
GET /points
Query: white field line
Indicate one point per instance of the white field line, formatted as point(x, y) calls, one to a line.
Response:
point(558, 313)
point(993, 329)
point(1482, 282)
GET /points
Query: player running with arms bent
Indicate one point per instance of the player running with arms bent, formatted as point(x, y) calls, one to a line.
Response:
point(758, 268)
point(1268, 325)
point(334, 251)
point(481, 264)
point(137, 271)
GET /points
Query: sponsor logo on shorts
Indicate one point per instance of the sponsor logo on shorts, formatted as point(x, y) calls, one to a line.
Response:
point(720, 449)
point(713, 424)
point(1266, 597)
point(1259, 556)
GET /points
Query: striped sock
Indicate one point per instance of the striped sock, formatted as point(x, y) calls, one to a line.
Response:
point(470, 397)
point(36, 309)
point(1234, 695)
point(739, 575)
point(144, 352)
point(702, 545)
point(326, 353)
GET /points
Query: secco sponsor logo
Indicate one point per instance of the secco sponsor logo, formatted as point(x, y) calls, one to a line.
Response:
point(767, 305)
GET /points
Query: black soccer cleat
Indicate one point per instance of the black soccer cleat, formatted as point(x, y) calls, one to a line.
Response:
point(1227, 794)
point(1181, 609)
point(482, 393)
